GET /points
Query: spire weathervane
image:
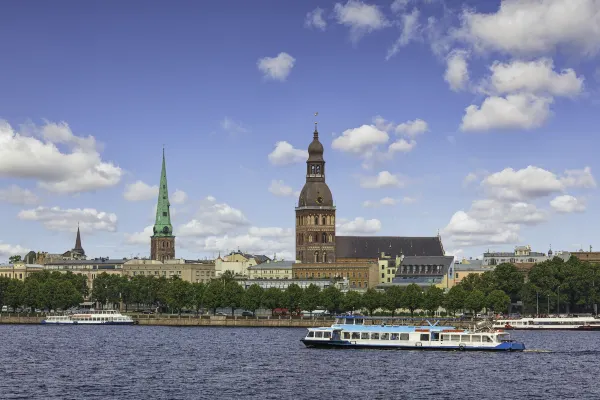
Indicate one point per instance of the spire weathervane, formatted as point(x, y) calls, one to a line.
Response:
point(316, 122)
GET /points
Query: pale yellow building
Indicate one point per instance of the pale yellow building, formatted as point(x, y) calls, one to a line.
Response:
point(195, 271)
point(238, 263)
point(89, 268)
point(271, 270)
point(19, 270)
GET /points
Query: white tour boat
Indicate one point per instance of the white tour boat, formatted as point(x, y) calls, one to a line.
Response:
point(555, 323)
point(91, 317)
point(367, 332)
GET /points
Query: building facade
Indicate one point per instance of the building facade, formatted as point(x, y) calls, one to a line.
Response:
point(360, 275)
point(193, 272)
point(89, 268)
point(162, 242)
point(272, 270)
point(315, 213)
point(19, 270)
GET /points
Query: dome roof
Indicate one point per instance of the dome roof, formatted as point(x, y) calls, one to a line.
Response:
point(315, 149)
point(315, 194)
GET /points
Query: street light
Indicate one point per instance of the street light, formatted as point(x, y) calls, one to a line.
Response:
point(548, 304)
point(537, 304)
point(558, 301)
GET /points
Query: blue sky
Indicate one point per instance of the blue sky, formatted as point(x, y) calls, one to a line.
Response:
point(435, 115)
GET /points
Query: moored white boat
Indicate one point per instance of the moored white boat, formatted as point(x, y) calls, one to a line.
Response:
point(549, 323)
point(362, 332)
point(92, 317)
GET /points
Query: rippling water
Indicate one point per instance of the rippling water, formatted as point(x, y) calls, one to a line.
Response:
point(139, 362)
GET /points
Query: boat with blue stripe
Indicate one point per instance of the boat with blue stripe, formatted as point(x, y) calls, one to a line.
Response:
point(360, 332)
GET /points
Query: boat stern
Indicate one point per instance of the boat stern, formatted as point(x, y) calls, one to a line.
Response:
point(511, 346)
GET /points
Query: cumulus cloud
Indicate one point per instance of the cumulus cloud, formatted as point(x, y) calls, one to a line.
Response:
point(410, 32)
point(140, 191)
point(412, 128)
point(386, 201)
point(230, 126)
point(363, 139)
point(315, 19)
point(284, 154)
point(8, 250)
point(279, 188)
point(179, 197)
point(14, 194)
point(277, 68)
point(35, 155)
point(381, 180)
point(567, 204)
point(409, 200)
point(457, 70)
point(58, 219)
point(360, 17)
point(357, 226)
point(140, 238)
point(213, 218)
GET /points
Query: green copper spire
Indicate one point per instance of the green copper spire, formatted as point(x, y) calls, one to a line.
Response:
point(162, 226)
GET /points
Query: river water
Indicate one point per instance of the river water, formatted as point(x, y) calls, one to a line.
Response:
point(141, 362)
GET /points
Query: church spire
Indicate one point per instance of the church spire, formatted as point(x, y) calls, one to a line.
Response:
point(162, 225)
point(78, 240)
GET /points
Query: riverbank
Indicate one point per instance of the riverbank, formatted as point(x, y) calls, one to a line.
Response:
point(246, 322)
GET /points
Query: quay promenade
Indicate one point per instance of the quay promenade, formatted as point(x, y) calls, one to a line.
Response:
point(246, 322)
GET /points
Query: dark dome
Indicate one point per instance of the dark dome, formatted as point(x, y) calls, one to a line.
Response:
point(315, 149)
point(315, 194)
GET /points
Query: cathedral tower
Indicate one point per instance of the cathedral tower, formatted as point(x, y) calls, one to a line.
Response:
point(315, 214)
point(162, 242)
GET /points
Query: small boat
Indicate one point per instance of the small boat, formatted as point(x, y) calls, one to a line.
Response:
point(91, 317)
point(366, 332)
point(576, 323)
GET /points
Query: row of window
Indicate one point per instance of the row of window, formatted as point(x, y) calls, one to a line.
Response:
point(315, 220)
point(302, 275)
point(402, 336)
point(317, 238)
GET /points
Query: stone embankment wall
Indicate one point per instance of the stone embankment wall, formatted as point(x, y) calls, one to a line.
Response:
point(17, 319)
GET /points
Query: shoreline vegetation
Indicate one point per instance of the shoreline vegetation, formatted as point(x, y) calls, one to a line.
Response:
point(551, 286)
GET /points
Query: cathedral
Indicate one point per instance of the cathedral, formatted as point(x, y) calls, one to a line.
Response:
point(162, 242)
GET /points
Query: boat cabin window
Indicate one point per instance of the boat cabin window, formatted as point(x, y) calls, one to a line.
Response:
point(385, 336)
point(364, 335)
point(327, 335)
point(503, 338)
point(424, 337)
point(445, 337)
point(465, 338)
point(404, 336)
point(455, 338)
point(394, 336)
point(319, 334)
point(375, 336)
point(311, 334)
point(346, 335)
point(476, 338)
point(358, 321)
point(487, 339)
point(355, 335)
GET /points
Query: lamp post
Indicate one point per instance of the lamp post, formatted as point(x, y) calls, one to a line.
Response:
point(537, 304)
point(558, 301)
point(548, 304)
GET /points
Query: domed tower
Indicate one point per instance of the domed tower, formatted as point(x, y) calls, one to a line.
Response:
point(315, 214)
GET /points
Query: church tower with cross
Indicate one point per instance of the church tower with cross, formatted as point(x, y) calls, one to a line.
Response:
point(315, 213)
point(162, 242)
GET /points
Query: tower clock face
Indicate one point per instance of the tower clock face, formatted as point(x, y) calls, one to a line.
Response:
point(165, 230)
point(319, 200)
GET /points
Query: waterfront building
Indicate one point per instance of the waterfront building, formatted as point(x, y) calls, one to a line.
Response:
point(162, 242)
point(42, 257)
point(187, 270)
point(272, 270)
point(468, 267)
point(522, 257)
point(589, 256)
point(19, 270)
point(89, 268)
point(238, 263)
point(361, 275)
point(283, 284)
point(424, 271)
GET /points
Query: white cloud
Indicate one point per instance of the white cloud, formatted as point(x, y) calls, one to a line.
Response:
point(381, 180)
point(17, 195)
point(213, 218)
point(399, 5)
point(58, 219)
point(474, 176)
point(363, 139)
point(386, 201)
point(402, 145)
point(140, 238)
point(567, 204)
point(536, 77)
point(279, 188)
point(140, 191)
point(529, 28)
point(357, 226)
point(276, 68)
point(284, 154)
point(457, 70)
point(315, 19)
point(35, 155)
point(410, 32)
point(230, 126)
point(517, 111)
point(534, 182)
point(360, 17)
point(409, 200)
point(179, 197)
point(7, 250)
point(412, 128)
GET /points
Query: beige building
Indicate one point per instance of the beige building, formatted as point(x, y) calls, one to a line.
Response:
point(271, 270)
point(238, 263)
point(19, 270)
point(90, 268)
point(195, 271)
point(360, 275)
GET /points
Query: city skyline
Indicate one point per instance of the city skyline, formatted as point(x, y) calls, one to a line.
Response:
point(433, 117)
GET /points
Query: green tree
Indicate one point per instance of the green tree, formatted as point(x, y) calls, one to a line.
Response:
point(4, 281)
point(433, 298)
point(252, 299)
point(475, 301)
point(331, 299)
point(509, 279)
point(14, 259)
point(273, 298)
point(66, 295)
point(455, 299)
point(498, 301)
point(352, 301)
point(179, 294)
point(372, 300)
point(413, 298)
point(311, 298)
point(198, 290)
point(31, 293)
point(292, 297)
point(14, 296)
point(394, 299)
point(213, 297)
point(233, 293)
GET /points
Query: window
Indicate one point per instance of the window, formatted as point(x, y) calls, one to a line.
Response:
point(457, 275)
point(318, 169)
point(324, 257)
point(364, 335)
point(164, 213)
point(324, 222)
point(311, 334)
point(385, 336)
point(375, 336)
point(346, 335)
point(355, 335)
point(324, 237)
point(326, 335)
point(330, 238)
point(316, 220)
point(318, 334)
point(316, 256)
point(404, 336)
point(424, 337)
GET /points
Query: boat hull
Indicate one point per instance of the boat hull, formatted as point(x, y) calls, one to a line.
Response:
point(577, 328)
point(345, 344)
point(44, 322)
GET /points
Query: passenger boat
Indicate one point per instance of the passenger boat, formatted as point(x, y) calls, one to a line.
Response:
point(91, 317)
point(554, 323)
point(367, 332)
